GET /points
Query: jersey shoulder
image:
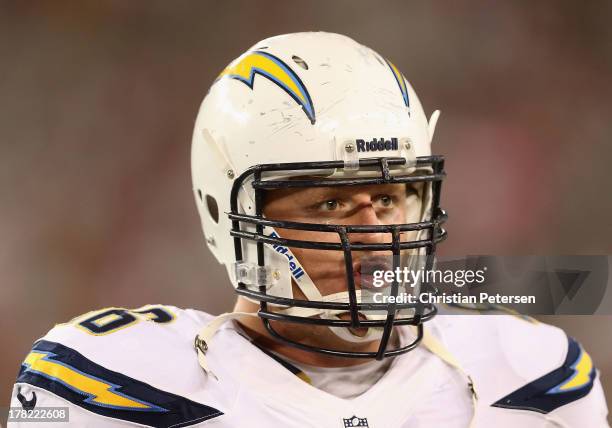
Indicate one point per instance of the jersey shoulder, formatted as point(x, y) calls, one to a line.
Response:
point(137, 365)
point(522, 364)
point(135, 328)
point(521, 344)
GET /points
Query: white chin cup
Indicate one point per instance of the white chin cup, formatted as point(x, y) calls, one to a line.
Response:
point(344, 333)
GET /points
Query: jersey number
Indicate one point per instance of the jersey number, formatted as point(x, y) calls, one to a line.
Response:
point(113, 319)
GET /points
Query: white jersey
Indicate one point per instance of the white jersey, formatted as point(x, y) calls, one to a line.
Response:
point(125, 368)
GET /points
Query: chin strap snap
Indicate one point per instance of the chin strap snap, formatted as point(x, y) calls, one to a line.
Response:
point(203, 338)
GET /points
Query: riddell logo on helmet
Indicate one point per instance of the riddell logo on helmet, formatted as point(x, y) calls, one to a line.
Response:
point(377, 145)
point(294, 267)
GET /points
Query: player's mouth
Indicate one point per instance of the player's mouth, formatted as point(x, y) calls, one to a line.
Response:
point(359, 332)
point(363, 273)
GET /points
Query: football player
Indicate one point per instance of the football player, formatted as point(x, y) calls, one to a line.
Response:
point(312, 166)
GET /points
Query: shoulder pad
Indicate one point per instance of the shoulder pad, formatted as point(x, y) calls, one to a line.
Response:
point(519, 363)
point(525, 347)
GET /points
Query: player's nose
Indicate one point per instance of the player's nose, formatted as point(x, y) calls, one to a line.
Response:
point(366, 215)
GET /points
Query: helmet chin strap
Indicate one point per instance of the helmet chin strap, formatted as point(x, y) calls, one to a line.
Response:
point(344, 333)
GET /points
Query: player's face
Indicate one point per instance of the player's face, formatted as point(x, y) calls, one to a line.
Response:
point(348, 205)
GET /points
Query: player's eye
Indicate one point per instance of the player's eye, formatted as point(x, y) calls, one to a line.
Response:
point(386, 200)
point(331, 205)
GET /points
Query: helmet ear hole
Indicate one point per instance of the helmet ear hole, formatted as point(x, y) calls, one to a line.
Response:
point(213, 208)
point(299, 61)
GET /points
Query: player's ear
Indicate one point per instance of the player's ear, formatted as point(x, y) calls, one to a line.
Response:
point(433, 120)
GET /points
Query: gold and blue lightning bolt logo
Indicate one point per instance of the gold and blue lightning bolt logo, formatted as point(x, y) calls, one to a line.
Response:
point(401, 82)
point(568, 383)
point(96, 391)
point(68, 374)
point(274, 69)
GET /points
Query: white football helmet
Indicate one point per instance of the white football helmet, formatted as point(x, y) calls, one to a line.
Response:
point(313, 109)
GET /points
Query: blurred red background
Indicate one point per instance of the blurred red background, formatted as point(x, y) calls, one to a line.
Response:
point(97, 107)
